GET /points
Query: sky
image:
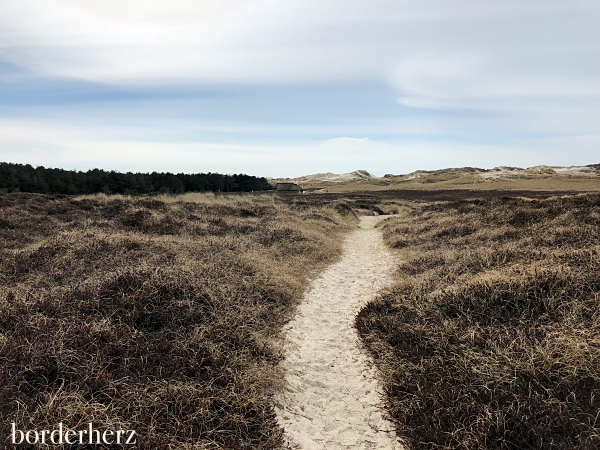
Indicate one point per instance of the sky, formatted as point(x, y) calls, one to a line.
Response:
point(292, 87)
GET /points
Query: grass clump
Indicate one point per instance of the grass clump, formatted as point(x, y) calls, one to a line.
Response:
point(160, 315)
point(491, 336)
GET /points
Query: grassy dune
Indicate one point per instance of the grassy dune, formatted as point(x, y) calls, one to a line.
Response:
point(158, 315)
point(459, 179)
point(491, 336)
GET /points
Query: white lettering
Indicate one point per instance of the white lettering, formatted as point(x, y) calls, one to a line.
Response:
point(110, 434)
point(131, 434)
point(36, 437)
point(60, 433)
point(14, 434)
point(91, 430)
point(64, 435)
point(67, 436)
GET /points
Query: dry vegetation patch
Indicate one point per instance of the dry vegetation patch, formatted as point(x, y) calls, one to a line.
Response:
point(158, 315)
point(491, 336)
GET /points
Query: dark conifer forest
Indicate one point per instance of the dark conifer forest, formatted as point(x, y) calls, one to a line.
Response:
point(26, 178)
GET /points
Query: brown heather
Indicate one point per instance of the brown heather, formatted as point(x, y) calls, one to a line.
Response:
point(491, 337)
point(157, 315)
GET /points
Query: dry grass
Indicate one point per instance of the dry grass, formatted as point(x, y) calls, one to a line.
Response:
point(491, 336)
point(436, 182)
point(158, 315)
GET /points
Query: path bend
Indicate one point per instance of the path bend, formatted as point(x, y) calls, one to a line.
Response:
point(333, 400)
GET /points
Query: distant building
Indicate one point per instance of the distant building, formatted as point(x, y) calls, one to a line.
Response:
point(291, 188)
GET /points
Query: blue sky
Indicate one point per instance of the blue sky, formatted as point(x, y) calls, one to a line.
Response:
point(286, 88)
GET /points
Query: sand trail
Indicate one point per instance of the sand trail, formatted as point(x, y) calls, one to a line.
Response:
point(332, 400)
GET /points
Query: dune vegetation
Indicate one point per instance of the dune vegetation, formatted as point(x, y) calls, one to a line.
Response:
point(574, 179)
point(491, 336)
point(164, 315)
point(160, 315)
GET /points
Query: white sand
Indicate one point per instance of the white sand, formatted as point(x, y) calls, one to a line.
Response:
point(333, 400)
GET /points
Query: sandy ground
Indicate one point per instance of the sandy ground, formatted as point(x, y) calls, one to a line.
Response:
point(333, 400)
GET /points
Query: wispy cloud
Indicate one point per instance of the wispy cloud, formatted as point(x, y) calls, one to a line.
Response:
point(366, 78)
point(84, 148)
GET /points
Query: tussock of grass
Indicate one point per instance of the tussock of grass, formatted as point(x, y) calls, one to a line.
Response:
point(158, 315)
point(491, 336)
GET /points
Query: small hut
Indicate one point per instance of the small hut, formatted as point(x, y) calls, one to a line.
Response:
point(289, 188)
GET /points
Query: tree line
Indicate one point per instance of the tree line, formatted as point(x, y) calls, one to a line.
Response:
point(26, 178)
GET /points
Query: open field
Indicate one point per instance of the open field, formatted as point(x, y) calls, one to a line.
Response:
point(540, 178)
point(160, 315)
point(165, 314)
point(491, 336)
point(574, 184)
point(381, 201)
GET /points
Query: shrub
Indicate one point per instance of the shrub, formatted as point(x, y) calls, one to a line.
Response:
point(491, 337)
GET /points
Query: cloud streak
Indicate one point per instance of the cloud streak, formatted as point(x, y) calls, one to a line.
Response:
point(374, 78)
point(294, 41)
point(82, 149)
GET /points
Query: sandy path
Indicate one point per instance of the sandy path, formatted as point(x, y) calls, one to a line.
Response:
point(332, 402)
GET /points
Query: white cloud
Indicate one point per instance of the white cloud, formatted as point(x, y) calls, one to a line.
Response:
point(527, 68)
point(348, 146)
point(76, 148)
point(473, 81)
point(267, 41)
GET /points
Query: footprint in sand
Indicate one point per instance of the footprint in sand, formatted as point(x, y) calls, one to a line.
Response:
point(333, 401)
